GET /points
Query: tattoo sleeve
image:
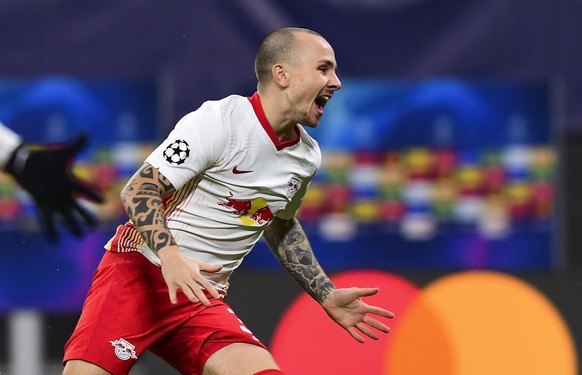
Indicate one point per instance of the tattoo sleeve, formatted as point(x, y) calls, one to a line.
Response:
point(288, 242)
point(142, 199)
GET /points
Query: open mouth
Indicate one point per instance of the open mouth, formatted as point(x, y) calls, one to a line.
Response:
point(321, 101)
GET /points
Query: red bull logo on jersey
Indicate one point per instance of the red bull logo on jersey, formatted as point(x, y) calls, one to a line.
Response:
point(250, 212)
point(293, 186)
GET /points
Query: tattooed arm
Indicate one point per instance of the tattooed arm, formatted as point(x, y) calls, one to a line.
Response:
point(291, 247)
point(142, 199)
point(289, 243)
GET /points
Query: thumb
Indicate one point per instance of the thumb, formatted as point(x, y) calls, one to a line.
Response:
point(76, 145)
point(366, 292)
point(207, 267)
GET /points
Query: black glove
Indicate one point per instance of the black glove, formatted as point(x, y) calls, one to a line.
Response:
point(46, 174)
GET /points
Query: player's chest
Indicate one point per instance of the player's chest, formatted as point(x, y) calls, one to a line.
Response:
point(279, 175)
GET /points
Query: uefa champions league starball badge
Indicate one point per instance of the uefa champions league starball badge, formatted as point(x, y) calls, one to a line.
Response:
point(177, 152)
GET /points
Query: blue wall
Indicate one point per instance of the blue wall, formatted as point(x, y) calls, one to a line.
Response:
point(205, 49)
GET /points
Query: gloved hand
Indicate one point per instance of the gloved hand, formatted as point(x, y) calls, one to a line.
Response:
point(46, 173)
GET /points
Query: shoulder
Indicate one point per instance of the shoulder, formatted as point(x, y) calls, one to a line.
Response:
point(235, 104)
point(227, 104)
point(212, 112)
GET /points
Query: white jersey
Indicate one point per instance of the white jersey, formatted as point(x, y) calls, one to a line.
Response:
point(232, 176)
point(9, 141)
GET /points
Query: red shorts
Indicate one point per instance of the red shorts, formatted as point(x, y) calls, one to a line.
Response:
point(128, 311)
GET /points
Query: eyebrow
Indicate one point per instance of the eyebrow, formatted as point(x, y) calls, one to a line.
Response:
point(328, 63)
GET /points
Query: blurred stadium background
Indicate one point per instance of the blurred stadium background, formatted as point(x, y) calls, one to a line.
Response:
point(450, 176)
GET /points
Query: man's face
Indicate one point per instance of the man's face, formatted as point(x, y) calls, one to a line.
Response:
point(313, 78)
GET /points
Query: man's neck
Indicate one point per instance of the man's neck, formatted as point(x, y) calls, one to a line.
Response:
point(278, 116)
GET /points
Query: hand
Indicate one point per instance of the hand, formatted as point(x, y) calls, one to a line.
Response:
point(183, 273)
point(46, 174)
point(346, 308)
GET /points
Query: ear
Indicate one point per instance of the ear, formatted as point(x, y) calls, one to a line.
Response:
point(280, 75)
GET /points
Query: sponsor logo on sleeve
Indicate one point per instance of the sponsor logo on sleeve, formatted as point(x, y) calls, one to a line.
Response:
point(293, 186)
point(177, 152)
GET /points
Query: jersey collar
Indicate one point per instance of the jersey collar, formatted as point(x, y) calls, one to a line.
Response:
point(258, 108)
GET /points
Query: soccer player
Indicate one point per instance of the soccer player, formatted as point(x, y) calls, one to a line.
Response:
point(229, 172)
point(45, 173)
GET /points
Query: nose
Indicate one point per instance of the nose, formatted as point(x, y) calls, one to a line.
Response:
point(334, 83)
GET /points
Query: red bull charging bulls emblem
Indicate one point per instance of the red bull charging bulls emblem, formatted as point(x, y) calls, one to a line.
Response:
point(250, 212)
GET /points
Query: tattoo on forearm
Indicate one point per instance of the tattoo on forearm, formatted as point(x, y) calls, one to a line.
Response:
point(290, 245)
point(142, 199)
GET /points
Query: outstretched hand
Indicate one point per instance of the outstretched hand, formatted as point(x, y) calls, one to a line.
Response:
point(46, 173)
point(347, 309)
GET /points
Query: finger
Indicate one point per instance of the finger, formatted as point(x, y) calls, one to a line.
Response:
point(89, 219)
point(366, 292)
point(367, 331)
point(172, 294)
point(208, 286)
point(47, 222)
point(379, 311)
point(194, 294)
point(376, 324)
point(355, 335)
point(77, 145)
point(72, 223)
point(189, 292)
point(88, 191)
point(201, 297)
